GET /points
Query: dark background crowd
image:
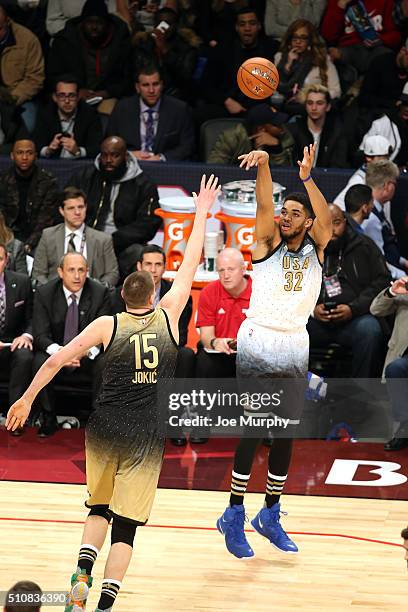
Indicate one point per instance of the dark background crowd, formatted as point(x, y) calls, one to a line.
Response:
point(127, 83)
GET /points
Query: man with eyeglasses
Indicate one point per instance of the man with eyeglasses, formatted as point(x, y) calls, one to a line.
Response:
point(67, 127)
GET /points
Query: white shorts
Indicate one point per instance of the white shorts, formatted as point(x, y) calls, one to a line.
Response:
point(265, 352)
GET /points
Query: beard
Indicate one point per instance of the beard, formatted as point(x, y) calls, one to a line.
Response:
point(115, 174)
point(292, 233)
point(336, 245)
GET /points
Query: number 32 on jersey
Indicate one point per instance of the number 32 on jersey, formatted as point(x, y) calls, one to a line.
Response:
point(294, 274)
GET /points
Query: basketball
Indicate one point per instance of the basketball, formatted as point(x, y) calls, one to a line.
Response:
point(258, 78)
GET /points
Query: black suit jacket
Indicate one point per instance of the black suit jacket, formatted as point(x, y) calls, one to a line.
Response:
point(87, 128)
point(50, 308)
point(19, 305)
point(119, 306)
point(175, 132)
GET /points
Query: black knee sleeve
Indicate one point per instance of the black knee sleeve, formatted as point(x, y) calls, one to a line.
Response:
point(122, 531)
point(101, 510)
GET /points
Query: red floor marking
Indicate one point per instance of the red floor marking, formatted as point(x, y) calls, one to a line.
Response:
point(197, 528)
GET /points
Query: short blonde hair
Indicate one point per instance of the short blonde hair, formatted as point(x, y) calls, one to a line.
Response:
point(381, 171)
point(314, 88)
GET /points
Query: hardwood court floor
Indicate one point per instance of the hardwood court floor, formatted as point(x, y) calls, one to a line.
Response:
point(180, 563)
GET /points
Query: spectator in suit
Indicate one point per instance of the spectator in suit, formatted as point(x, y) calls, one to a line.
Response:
point(359, 206)
point(15, 248)
point(95, 48)
point(120, 201)
point(16, 340)
point(28, 195)
point(62, 309)
point(382, 177)
point(67, 127)
point(156, 127)
point(21, 66)
point(353, 273)
point(319, 126)
point(73, 235)
point(394, 301)
point(221, 310)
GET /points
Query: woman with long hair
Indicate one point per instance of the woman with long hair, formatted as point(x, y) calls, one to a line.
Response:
point(15, 248)
point(303, 60)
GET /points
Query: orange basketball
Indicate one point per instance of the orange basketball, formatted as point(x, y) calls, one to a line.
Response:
point(258, 78)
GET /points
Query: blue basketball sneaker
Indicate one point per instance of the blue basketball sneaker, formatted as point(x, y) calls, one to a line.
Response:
point(267, 524)
point(231, 525)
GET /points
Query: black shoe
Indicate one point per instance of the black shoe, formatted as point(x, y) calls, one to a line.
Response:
point(197, 440)
point(181, 441)
point(48, 428)
point(396, 444)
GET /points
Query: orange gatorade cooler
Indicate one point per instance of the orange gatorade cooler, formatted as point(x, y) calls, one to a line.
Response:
point(178, 214)
point(238, 210)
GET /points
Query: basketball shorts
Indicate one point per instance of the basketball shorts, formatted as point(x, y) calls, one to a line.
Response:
point(124, 476)
point(265, 354)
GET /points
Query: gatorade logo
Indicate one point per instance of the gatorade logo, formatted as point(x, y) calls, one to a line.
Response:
point(175, 231)
point(245, 236)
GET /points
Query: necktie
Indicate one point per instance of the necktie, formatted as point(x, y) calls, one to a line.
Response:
point(71, 244)
point(2, 310)
point(149, 130)
point(71, 320)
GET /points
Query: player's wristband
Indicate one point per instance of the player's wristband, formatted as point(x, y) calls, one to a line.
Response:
point(212, 342)
point(306, 179)
point(390, 293)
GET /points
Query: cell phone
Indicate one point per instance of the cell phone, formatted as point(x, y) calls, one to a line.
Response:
point(329, 305)
point(94, 100)
point(163, 26)
point(66, 135)
point(232, 344)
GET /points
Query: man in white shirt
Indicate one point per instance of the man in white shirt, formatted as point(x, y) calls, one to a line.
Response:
point(74, 236)
point(63, 307)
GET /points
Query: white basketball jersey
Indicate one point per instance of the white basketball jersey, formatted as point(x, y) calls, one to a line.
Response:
point(285, 287)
